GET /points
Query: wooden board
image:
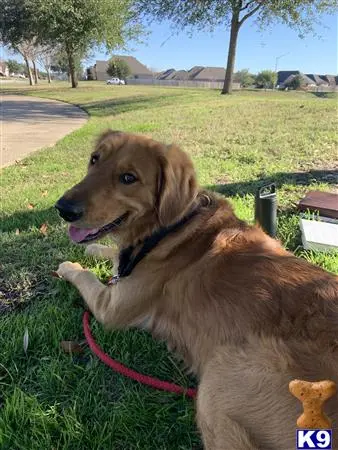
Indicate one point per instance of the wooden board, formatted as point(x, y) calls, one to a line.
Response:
point(323, 202)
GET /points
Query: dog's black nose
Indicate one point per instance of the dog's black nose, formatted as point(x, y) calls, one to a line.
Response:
point(69, 210)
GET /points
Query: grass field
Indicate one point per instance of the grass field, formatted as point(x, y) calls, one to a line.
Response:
point(53, 400)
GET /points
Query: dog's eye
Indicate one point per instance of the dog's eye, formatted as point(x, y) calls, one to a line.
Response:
point(127, 178)
point(94, 158)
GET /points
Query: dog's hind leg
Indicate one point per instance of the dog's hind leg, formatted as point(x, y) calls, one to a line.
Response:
point(244, 401)
point(219, 431)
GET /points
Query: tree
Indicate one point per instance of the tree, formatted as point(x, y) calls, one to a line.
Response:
point(232, 14)
point(244, 78)
point(27, 51)
point(118, 68)
point(45, 57)
point(35, 55)
point(76, 25)
point(296, 82)
point(59, 62)
point(14, 66)
point(266, 79)
point(17, 31)
point(79, 25)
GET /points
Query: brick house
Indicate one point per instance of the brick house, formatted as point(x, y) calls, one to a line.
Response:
point(137, 69)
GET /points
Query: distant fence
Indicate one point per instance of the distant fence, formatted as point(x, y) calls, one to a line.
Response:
point(181, 83)
point(319, 88)
point(323, 89)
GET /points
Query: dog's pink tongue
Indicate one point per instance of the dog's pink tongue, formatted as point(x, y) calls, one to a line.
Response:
point(78, 234)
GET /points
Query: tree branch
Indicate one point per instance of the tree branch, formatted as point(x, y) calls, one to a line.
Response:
point(249, 14)
point(247, 5)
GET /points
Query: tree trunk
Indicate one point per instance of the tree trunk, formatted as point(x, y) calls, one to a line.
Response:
point(30, 76)
point(36, 78)
point(48, 75)
point(227, 87)
point(72, 70)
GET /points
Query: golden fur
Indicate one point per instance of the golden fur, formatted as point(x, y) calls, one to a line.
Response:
point(246, 316)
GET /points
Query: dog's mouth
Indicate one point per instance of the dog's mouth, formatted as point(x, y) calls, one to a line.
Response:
point(82, 235)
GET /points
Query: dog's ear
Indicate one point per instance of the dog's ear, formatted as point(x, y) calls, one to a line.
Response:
point(111, 138)
point(177, 185)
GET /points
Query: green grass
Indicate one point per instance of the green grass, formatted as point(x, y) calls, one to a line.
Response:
point(52, 400)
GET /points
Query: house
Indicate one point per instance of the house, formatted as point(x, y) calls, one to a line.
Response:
point(166, 74)
point(306, 81)
point(318, 80)
point(181, 75)
point(310, 80)
point(137, 69)
point(194, 71)
point(330, 79)
point(210, 74)
point(172, 74)
point(283, 75)
point(4, 71)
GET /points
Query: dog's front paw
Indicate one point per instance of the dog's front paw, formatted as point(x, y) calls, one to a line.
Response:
point(66, 270)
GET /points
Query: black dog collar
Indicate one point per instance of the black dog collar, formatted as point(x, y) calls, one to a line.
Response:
point(127, 262)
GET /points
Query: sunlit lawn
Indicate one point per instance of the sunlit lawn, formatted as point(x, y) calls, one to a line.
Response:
point(52, 400)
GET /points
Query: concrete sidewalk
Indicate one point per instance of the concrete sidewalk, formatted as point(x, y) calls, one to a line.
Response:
point(30, 123)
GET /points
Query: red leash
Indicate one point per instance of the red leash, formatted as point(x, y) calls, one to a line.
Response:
point(125, 371)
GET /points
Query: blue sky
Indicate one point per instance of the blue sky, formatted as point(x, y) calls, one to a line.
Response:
point(255, 51)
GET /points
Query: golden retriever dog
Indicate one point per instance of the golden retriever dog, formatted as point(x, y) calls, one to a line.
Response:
point(246, 316)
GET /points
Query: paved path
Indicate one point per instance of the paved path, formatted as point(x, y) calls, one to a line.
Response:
point(30, 123)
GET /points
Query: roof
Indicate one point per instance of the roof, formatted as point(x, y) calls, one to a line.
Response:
point(306, 80)
point(194, 71)
point(283, 75)
point(317, 79)
point(136, 68)
point(165, 74)
point(331, 79)
point(180, 75)
point(210, 74)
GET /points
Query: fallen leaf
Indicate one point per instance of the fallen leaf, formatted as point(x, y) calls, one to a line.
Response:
point(17, 231)
point(71, 347)
point(20, 163)
point(44, 193)
point(43, 229)
point(54, 274)
point(30, 206)
point(25, 341)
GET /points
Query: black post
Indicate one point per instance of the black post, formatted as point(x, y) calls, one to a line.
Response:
point(266, 209)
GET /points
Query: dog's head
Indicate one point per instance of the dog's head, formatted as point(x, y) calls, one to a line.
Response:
point(131, 180)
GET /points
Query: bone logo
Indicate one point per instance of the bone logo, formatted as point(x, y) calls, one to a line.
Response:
point(314, 426)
